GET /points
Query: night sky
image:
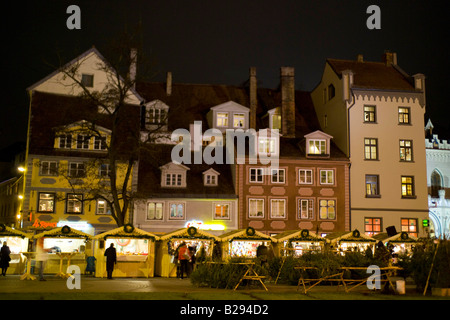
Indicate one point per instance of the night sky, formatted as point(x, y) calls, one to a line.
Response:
point(217, 41)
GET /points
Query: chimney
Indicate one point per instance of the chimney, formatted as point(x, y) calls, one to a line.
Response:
point(133, 67)
point(390, 58)
point(347, 83)
point(360, 58)
point(253, 98)
point(169, 84)
point(287, 102)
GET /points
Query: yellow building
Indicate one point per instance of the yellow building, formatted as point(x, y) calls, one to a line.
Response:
point(70, 150)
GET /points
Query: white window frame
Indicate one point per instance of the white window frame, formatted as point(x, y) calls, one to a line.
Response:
point(254, 215)
point(318, 146)
point(99, 143)
point(222, 119)
point(237, 117)
point(46, 168)
point(183, 208)
point(274, 210)
point(329, 180)
point(211, 180)
point(104, 208)
point(156, 209)
point(328, 207)
point(83, 141)
point(65, 141)
point(259, 178)
point(275, 176)
point(73, 201)
point(175, 179)
point(225, 214)
point(80, 167)
point(305, 212)
point(306, 176)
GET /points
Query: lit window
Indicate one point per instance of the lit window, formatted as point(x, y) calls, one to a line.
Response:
point(238, 120)
point(46, 202)
point(406, 150)
point(256, 208)
point(327, 209)
point(372, 189)
point(74, 203)
point(278, 208)
point(372, 226)
point(222, 119)
point(305, 208)
point(404, 115)
point(176, 211)
point(409, 226)
point(103, 207)
point(370, 149)
point(266, 145)
point(221, 211)
point(317, 146)
point(407, 186)
point(155, 211)
point(276, 121)
point(369, 114)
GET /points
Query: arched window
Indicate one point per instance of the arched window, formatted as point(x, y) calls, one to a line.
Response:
point(435, 184)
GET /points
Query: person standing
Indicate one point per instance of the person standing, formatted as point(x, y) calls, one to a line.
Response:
point(111, 260)
point(41, 257)
point(183, 257)
point(5, 258)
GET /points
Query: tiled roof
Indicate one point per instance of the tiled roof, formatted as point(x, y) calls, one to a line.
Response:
point(374, 75)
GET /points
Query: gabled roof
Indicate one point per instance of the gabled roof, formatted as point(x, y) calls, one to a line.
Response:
point(62, 233)
point(124, 233)
point(373, 75)
point(183, 233)
point(243, 234)
point(352, 236)
point(6, 231)
point(230, 105)
point(299, 235)
point(86, 125)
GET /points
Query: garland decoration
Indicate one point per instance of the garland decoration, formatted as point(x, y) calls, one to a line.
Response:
point(128, 228)
point(304, 233)
point(192, 231)
point(356, 233)
point(65, 230)
point(404, 235)
point(250, 231)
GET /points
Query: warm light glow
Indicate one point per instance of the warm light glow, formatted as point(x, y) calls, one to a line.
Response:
point(204, 226)
point(21, 169)
point(20, 196)
point(18, 216)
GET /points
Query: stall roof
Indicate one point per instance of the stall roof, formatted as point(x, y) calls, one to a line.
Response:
point(63, 232)
point(299, 235)
point(243, 234)
point(6, 231)
point(401, 237)
point(352, 236)
point(126, 232)
point(184, 233)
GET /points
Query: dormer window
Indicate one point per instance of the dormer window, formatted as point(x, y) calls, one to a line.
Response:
point(65, 141)
point(275, 118)
point(82, 135)
point(318, 144)
point(238, 120)
point(266, 145)
point(211, 178)
point(156, 113)
point(173, 175)
point(222, 119)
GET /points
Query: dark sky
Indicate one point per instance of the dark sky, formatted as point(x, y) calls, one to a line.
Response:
point(217, 41)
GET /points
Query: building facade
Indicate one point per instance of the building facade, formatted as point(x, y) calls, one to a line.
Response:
point(375, 111)
point(438, 182)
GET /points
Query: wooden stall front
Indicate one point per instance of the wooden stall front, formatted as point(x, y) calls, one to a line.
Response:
point(350, 241)
point(296, 242)
point(402, 243)
point(135, 250)
point(17, 241)
point(64, 245)
point(244, 243)
point(166, 261)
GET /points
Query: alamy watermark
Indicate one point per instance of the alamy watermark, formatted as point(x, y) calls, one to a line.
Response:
point(374, 281)
point(74, 277)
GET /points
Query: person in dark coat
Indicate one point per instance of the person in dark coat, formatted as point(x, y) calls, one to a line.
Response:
point(111, 260)
point(5, 258)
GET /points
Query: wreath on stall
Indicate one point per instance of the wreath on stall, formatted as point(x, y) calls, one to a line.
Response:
point(128, 228)
point(304, 233)
point(250, 231)
point(65, 230)
point(356, 234)
point(404, 235)
point(192, 231)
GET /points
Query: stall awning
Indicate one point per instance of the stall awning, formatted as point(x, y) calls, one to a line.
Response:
point(6, 231)
point(63, 232)
point(246, 234)
point(189, 233)
point(125, 232)
point(401, 237)
point(352, 236)
point(299, 235)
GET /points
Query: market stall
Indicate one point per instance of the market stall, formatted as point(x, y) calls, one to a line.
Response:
point(244, 243)
point(401, 243)
point(65, 246)
point(17, 241)
point(135, 252)
point(166, 264)
point(296, 242)
point(350, 241)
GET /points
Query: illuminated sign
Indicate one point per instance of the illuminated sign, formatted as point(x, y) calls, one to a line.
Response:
point(204, 226)
point(42, 224)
